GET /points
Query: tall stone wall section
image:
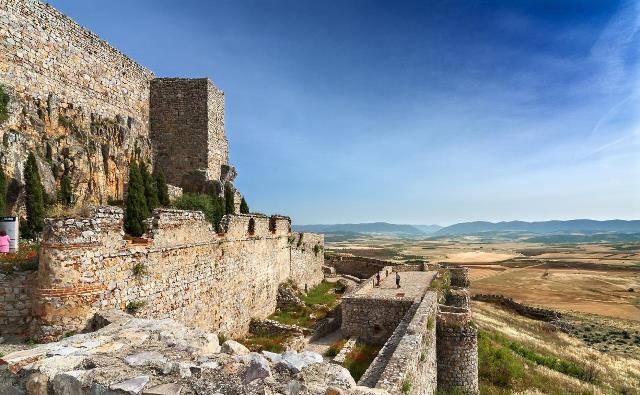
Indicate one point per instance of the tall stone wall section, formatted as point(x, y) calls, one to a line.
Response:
point(15, 302)
point(408, 358)
point(185, 271)
point(187, 129)
point(372, 319)
point(360, 267)
point(78, 103)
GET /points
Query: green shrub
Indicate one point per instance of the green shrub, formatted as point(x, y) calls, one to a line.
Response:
point(430, 323)
point(139, 269)
point(162, 188)
point(265, 342)
point(323, 293)
point(357, 360)
point(300, 237)
point(497, 366)
point(317, 249)
point(34, 197)
point(150, 189)
point(229, 207)
point(335, 348)
point(244, 207)
point(136, 203)
point(65, 194)
point(406, 385)
point(133, 306)
point(211, 206)
point(4, 102)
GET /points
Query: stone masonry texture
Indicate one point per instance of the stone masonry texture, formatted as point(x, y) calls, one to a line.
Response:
point(185, 271)
point(86, 111)
point(187, 128)
point(457, 350)
point(79, 104)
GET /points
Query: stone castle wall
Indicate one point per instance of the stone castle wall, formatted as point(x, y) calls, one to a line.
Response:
point(15, 302)
point(409, 356)
point(78, 103)
point(185, 271)
point(536, 313)
point(356, 266)
point(373, 318)
point(187, 128)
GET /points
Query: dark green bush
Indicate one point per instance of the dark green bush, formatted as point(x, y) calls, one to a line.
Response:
point(211, 206)
point(34, 197)
point(162, 188)
point(65, 194)
point(229, 207)
point(4, 101)
point(244, 207)
point(150, 189)
point(136, 203)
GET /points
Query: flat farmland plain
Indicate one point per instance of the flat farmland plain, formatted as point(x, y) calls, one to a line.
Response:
point(596, 278)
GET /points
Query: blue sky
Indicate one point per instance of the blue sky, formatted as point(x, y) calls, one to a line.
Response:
point(409, 111)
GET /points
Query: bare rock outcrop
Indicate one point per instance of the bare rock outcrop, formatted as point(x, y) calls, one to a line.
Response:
point(136, 356)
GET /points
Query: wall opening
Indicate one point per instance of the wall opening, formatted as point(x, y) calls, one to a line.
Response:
point(272, 224)
point(252, 227)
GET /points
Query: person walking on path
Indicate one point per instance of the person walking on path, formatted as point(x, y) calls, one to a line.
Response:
point(397, 280)
point(5, 241)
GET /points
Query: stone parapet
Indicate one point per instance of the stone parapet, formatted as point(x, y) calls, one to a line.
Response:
point(183, 271)
point(413, 360)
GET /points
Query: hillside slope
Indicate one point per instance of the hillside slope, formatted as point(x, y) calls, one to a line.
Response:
point(520, 355)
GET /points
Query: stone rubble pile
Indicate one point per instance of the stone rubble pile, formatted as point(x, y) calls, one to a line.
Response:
point(140, 356)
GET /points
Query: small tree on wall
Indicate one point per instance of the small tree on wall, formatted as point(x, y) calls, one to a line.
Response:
point(162, 188)
point(34, 196)
point(136, 203)
point(3, 192)
point(150, 190)
point(244, 207)
point(65, 194)
point(229, 207)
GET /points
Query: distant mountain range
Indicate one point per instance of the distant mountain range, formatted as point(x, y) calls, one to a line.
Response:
point(581, 226)
point(369, 228)
point(587, 226)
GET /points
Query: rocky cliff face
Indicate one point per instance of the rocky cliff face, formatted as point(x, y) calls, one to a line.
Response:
point(94, 151)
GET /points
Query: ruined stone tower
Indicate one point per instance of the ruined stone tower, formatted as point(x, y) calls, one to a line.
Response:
point(457, 345)
point(187, 130)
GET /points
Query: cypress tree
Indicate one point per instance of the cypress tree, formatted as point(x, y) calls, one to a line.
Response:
point(34, 196)
point(218, 211)
point(244, 207)
point(229, 207)
point(3, 192)
point(136, 203)
point(163, 190)
point(150, 190)
point(65, 194)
